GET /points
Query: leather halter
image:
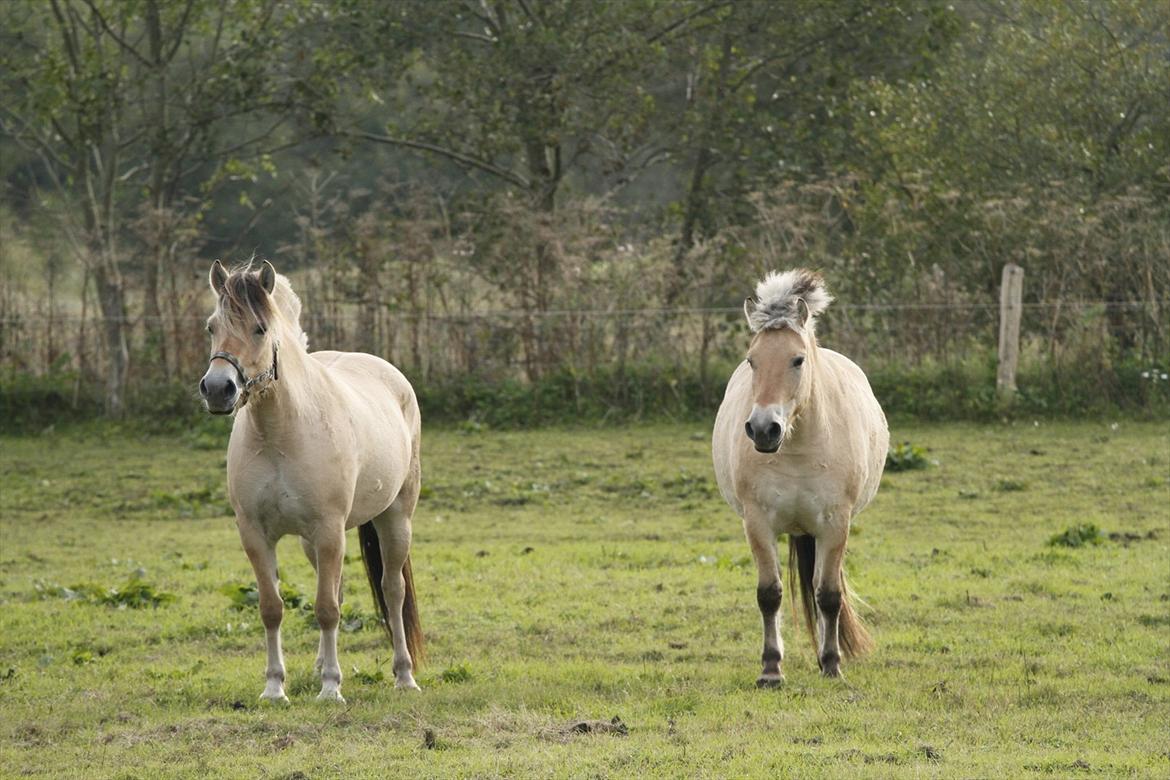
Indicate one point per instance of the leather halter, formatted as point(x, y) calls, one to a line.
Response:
point(246, 384)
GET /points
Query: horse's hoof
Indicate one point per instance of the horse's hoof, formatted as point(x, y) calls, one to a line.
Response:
point(406, 685)
point(277, 698)
point(832, 672)
point(331, 695)
point(770, 681)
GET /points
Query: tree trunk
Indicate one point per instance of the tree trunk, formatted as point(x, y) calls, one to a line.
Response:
point(158, 219)
point(112, 302)
point(705, 158)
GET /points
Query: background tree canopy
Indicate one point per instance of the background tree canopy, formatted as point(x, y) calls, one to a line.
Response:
point(568, 199)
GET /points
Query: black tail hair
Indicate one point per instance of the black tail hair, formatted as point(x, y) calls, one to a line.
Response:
point(851, 634)
point(372, 556)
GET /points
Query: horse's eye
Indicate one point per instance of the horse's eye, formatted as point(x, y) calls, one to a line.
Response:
point(260, 330)
point(751, 363)
point(797, 362)
point(209, 329)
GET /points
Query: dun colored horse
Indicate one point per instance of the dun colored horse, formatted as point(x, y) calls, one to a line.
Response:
point(322, 442)
point(799, 446)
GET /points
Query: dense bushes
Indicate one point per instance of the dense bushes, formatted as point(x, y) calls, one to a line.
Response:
point(963, 391)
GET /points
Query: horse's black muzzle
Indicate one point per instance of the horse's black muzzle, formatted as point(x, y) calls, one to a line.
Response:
point(764, 433)
point(219, 393)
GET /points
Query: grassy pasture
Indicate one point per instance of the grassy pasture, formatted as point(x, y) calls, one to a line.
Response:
point(569, 575)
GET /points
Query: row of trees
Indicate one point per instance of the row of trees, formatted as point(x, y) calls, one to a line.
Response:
point(546, 155)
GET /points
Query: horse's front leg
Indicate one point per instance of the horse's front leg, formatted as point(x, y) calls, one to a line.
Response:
point(311, 554)
point(262, 553)
point(329, 547)
point(769, 593)
point(827, 587)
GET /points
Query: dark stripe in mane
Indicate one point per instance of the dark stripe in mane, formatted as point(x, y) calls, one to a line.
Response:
point(805, 282)
point(244, 296)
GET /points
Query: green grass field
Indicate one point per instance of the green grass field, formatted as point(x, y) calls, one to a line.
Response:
point(569, 575)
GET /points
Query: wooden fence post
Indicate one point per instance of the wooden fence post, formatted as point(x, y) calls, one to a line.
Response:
point(1011, 298)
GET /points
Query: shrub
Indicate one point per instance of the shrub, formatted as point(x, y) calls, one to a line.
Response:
point(906, 457)
point(1078, 536)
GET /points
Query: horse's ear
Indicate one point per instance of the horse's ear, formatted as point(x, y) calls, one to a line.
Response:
point(802, 311)
point(217, 278)
point(268, 277)
point(749, 308)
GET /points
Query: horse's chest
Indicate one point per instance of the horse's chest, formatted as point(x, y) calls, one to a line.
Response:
point(279, 499)
point(794, 505)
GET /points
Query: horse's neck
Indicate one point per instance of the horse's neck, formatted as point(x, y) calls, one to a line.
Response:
point(812, 419)
point(288, 400)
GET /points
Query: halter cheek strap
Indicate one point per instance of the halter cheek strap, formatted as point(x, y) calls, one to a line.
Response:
point(271, 374)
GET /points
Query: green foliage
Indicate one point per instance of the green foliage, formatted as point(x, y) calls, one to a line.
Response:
point(241, 596)
point(366, 677)
point(1011, 485)
point(589, 168)
point(905, 456)
point(134, 594)
point(459, 673)
point(1085, 534)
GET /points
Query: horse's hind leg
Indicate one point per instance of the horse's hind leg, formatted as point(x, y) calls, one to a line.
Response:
point(394, 533)
point(262, 554)
point(769, 593)
point(827, 583)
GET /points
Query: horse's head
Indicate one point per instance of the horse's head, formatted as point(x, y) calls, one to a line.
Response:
point(782, 352)
point(243, 349)
point(780, 384)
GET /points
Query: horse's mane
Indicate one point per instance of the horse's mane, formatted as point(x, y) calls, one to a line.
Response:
point(243, 295)
point(778, 296)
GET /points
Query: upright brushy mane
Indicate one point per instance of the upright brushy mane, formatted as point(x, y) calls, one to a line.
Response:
point(778, 296)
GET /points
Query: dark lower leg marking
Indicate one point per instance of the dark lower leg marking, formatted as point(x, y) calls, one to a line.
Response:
point(768, 597)
point(772, 660)
point(829, 603)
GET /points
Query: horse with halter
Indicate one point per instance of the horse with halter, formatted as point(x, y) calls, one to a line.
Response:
point(321, 442)
point(799, 447)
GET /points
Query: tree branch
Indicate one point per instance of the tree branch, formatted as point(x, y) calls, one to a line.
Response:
point(450, 154)
point(182, 26)
point(126, 46)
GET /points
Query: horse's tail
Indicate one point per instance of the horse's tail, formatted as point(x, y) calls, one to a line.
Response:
point(851, 633)
point(372, 556)
point(410, 624)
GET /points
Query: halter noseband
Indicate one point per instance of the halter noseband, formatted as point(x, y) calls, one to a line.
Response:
point(246, 384)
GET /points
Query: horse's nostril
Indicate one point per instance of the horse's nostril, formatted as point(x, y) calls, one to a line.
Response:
point(747, 426)
point(229, 387)
point(203, 387)
point(774, 431)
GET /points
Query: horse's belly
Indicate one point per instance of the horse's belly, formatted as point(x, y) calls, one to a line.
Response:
point(372, 497)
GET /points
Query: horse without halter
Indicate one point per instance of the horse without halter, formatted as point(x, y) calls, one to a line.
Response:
point(811, 459)
point(321, 443)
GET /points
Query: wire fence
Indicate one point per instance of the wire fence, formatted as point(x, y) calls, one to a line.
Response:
point(497, 344)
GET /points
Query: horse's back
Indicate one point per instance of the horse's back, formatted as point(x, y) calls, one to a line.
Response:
point(377, 382)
